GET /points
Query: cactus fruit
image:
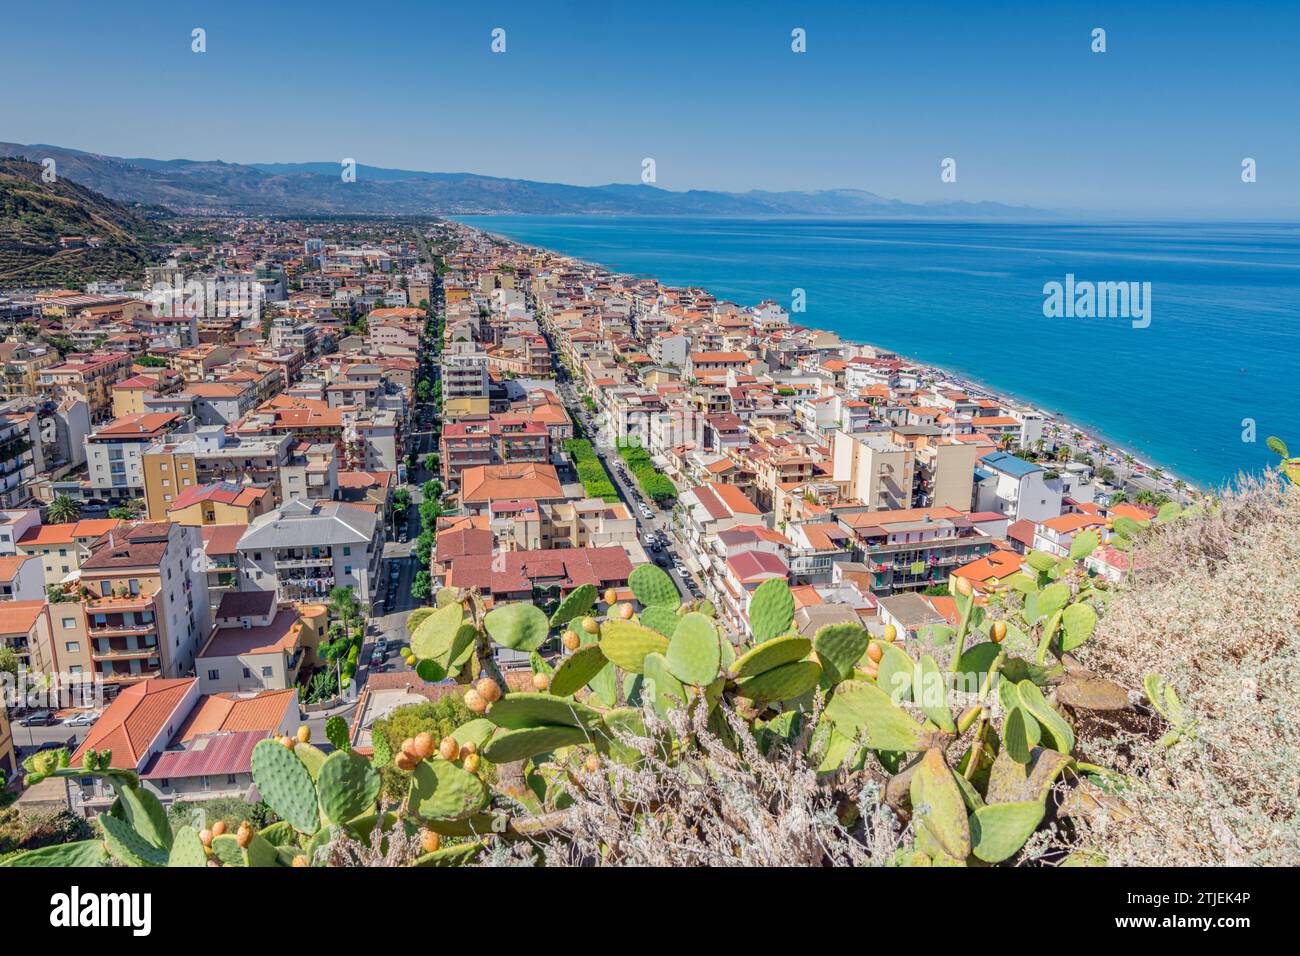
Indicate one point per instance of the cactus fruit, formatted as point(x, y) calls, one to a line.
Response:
point(541, 681)
point(474, 702)
point(288, 742)
point(610, 596)
point(430, 842)
point(571, 641)
point(625, 611)
point(891, 634)
point(470, 762)
point(998, 633)
point(771, 610)
point(488, 689)
point(651, 585)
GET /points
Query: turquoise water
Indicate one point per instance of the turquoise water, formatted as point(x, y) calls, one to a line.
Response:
point(1223, 344)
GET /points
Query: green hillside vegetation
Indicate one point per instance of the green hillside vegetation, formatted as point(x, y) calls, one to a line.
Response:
point(34, 215)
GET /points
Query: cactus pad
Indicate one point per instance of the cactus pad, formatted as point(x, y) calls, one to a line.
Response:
point(999, 830)
point(784, 682)
point(440, 790)
point(577, 669)
point(522, 710)
point(129, 847)
point(434, 637)
point(626, 644)
point(770, 654)
point(661, 619)
point(474, 732)
point(146, 815)
point(661, 688)
point(458, 855)
point(938, 807)
point(509, 745)
point(579, 602)
point(348, 786)
point(520, 627)
point(311, 756)
point(286, 786)
point(1078, 621)
point(1020, 735)
point(693, 652)
point(771, 609)
point(336, 732)
point(226, 849)
point(931, 694)
point(81, 853)
point(896, 672)
point(186, 849)
point(653, 587)
point(861, 705)
point(1057, 733)
point(839, 647)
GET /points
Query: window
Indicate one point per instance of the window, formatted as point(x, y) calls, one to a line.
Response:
point(347, 551)
point(69, 623)
point(347, 569)
point(72, 647)
point(267, 671)
point(247, 672)
point(214, 675)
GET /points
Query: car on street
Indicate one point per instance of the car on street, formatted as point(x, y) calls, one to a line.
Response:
point(40, 718)
point(83, 719)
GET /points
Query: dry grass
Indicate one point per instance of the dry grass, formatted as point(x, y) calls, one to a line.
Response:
point(1215, 610)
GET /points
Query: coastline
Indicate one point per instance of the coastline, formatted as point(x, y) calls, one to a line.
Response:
point(1054, 422)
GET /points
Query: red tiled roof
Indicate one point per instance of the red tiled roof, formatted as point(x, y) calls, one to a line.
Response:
point(134, 720)
point(209, 755)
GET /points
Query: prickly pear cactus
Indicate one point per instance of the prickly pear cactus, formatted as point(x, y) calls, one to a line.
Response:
point(970, 727)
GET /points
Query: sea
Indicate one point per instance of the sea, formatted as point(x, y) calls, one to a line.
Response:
point(1194, 386)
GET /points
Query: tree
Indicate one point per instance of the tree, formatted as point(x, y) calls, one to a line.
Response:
point(422, 586)
point(8, 663)
point(63, 510)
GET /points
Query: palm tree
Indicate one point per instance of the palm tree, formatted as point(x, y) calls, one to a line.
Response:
point(63, 510)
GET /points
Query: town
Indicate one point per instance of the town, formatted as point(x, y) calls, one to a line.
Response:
point(218, 515)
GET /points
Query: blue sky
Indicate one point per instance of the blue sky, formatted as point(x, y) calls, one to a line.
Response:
point(1159, 124)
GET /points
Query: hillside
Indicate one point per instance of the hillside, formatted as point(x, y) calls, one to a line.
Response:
point(35, 215)
point(317, 189)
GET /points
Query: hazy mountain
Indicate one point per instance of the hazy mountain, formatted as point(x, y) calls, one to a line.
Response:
point(317, 188)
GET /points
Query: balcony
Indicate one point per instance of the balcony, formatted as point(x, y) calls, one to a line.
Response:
point(317, 561)
point(122, 630)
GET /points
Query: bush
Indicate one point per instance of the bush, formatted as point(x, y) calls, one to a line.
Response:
point(30, 830)
point(231, 810)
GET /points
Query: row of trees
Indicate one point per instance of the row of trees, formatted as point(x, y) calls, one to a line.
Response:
point(596, 482)
point(654, 485)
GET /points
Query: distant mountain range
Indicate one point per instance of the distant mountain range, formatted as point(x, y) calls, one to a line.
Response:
point(317, 189)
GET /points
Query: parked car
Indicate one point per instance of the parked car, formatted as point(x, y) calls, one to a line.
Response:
point(83, 719)
point(40, 718)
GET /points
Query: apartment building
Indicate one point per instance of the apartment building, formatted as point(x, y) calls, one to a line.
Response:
point(149, 613)
point(502, 441)
point(25, 629)
point(873, 470)
point(88, 377)
point(464, 372)
point(178, 462)
point(115, 454)
point(304, 548)
point(914, 548)
point(21, 578)
point(20, 368)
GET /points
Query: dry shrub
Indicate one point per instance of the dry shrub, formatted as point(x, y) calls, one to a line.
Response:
point(713, 806)
point(1215, 610)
